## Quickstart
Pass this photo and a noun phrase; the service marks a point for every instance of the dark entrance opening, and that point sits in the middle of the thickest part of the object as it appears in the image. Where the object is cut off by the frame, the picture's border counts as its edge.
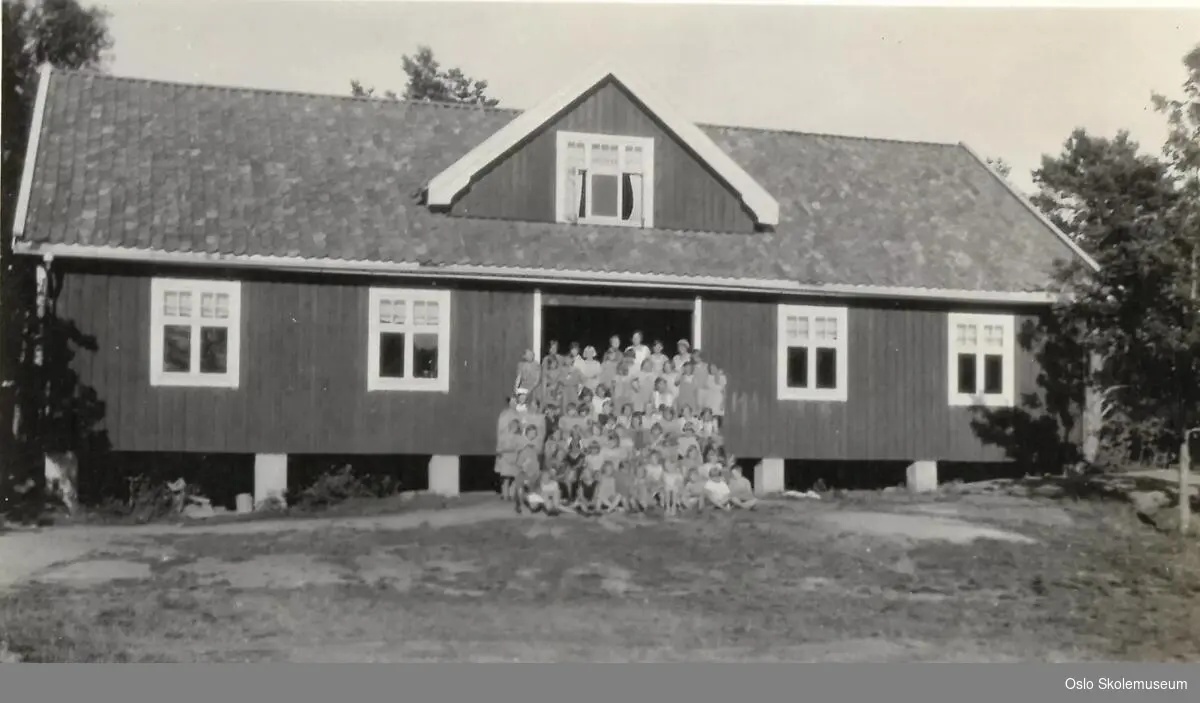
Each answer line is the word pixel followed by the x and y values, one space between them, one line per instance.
pixel 592 320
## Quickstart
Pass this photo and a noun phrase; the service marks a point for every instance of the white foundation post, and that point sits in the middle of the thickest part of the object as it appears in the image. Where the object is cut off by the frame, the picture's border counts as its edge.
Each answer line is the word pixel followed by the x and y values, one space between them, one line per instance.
pixel 768 477
pixel 698 324
pixel 270 478
pixel 922 477
pixel 443 476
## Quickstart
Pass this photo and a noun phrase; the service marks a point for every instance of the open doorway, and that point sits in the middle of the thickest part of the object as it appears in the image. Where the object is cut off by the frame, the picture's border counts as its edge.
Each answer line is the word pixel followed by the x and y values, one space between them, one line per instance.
pixel 592 320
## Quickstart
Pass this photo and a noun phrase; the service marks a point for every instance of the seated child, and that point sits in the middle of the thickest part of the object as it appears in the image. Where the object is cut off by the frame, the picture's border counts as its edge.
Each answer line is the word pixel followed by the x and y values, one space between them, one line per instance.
pixel 507 447
pixel 657 358
pixel 572 467
pixel 716 491
pixel 693 492
pixel 643 492
pixel 672 489
pixel 654 469
pixel 657 437
pixel 533 439
pixel 553 443
pixel 608 410
pixel 741 493
pixel 624 481
pixel 607 499
pixel 551 494
pixel 585 496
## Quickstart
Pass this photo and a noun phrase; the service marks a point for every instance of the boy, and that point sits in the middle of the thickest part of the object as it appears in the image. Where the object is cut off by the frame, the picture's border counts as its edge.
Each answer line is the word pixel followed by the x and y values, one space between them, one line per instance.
pixel 741 493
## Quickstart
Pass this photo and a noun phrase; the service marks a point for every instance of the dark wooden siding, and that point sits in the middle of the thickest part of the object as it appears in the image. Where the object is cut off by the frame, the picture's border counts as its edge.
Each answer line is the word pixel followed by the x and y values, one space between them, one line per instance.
pixel 687 194
pixel 303 371
pixel 897 407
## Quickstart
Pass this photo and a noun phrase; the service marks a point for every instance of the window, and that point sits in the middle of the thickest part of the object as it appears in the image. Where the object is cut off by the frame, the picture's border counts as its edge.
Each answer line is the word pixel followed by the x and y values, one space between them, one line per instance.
pixel 195 332
pixel 605 180
pixel 408 348
pixel 982 360
pixel 812 353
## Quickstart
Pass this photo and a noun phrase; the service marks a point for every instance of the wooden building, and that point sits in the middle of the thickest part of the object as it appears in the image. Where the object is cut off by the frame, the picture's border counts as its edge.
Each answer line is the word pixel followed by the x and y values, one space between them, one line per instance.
pixel 277 274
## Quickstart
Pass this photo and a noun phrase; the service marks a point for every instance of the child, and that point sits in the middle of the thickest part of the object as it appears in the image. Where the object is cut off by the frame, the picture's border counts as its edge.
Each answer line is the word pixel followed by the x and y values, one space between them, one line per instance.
pixel 638 433
pixel 691 460
pixel 708 424
pixel 654 469
pixel 672 489
pixel 654 414
pixel 719 380
pixel 712 462
pixel 741 493
pixel 688 441
pixel 594 460
pixel 585 496
pixel 551 495
pixel 589 368
pixel 529 374
pixel 602 394
pixel 700 368
pixel 640 391
pixel 551 388
pixel 528 473
pixel 640 351
pixel 686 393
pixel 672 426
pixel 553 443
pixel 625 421
pixel 571 382
pixel 624 481
pixel 571 420
pixel 657 438
pixel 612 358
pixel 622 388
pixel 613 453
pixel 572 468
pixel 507 447
pixel 716 491
pixel 551 353
pixel 663 397
pixel 693 492
pixel 657 358
pixel 643 492
pixel 670 374
pixel 607 499
pixel 684 354
pixel 628 440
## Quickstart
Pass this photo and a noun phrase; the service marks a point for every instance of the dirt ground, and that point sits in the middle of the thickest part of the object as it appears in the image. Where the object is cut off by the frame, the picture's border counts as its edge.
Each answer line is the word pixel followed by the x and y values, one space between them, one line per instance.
pixel 866 577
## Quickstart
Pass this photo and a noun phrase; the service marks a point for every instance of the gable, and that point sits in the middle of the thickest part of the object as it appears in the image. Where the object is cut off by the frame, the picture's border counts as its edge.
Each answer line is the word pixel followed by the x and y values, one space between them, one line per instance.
pixel 688 194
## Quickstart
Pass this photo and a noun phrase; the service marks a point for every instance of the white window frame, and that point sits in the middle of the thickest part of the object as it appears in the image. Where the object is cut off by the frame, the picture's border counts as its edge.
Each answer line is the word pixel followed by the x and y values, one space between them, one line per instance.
pixel 159 376
pixel 841 345
pixel 1008 350
pixel 375 382
pixel 647 146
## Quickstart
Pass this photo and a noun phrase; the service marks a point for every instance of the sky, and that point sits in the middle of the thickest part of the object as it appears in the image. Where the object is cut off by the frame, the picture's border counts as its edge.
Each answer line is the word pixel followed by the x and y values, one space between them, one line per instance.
pixel 1010 82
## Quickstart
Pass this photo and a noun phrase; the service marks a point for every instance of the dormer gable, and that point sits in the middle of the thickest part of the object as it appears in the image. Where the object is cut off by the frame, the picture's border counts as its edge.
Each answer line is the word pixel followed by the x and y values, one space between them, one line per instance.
pixel 605 150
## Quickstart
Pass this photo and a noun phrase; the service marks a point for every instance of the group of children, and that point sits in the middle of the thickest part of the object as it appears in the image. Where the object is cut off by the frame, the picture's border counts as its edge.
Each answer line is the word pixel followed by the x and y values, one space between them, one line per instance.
pixel 637 431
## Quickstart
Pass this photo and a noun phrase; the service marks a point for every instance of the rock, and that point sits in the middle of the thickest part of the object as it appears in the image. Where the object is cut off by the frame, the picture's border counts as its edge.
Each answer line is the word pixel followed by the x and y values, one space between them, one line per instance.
pixel 198 511
pixel 1148 502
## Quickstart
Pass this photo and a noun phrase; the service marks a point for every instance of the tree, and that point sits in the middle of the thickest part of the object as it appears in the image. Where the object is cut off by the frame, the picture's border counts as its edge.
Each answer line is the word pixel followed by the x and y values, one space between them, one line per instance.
pixel 66 35
pixel 428 81
pixel 1001 167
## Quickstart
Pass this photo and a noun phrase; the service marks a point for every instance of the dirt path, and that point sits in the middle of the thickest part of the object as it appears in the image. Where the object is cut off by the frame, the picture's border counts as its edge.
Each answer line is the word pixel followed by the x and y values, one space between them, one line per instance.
pixel 26 554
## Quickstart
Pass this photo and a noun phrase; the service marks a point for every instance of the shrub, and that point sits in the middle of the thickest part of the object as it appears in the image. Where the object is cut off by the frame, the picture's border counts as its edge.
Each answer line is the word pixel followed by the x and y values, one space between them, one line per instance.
pixel 342 484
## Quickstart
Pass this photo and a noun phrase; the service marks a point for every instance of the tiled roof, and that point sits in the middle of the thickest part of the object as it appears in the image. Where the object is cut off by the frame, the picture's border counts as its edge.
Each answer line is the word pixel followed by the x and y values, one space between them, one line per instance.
pixel 142 164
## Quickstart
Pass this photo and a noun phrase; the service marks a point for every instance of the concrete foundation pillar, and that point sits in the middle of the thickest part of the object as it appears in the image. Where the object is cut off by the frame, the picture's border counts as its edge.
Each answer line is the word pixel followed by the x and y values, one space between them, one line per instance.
pixel 443 475
pixel 270 478
pixel 922 477
pixel 62 478
pixel 768 477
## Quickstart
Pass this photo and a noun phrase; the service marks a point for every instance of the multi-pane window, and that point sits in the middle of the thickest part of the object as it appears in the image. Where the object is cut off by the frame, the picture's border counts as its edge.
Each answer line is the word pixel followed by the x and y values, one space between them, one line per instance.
pixel 812 353
pixel 605 179
pixel 409 340
pixel 195 334
pixel 981 360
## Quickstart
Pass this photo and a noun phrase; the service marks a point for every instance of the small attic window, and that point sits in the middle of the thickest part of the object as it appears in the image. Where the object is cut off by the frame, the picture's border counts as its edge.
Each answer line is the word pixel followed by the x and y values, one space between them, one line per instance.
pixel 604 179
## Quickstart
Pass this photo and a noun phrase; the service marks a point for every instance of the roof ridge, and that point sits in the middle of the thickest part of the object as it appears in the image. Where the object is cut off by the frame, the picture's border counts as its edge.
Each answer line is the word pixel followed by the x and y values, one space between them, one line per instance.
pixel 456 106
pixel 806 133
pixel 274 91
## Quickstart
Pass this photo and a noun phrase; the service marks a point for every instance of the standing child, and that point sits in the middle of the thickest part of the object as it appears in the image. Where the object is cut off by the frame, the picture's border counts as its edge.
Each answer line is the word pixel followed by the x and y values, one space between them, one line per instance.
pixel 663 395
pixel 672 488
pixel 612 358
pixel 528 473
pixel 589 367
pixel 598 400
pixel 720 381
pixel 624 479
pixel 683 355
pixel 551 388
pixel 642 391
pixel 625 420
pixel 708 424
pixel 529 374
pixel 657 357
pixel 643 493
pixel 640 351
pixel 670 374
pixel 571 383
pixel 687 390
pixel 508 446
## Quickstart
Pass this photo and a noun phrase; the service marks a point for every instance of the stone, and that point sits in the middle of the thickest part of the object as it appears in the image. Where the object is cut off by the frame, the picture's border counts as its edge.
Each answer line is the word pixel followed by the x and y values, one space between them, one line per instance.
pixel 1148 502
pixel 443 475
pixel 922 477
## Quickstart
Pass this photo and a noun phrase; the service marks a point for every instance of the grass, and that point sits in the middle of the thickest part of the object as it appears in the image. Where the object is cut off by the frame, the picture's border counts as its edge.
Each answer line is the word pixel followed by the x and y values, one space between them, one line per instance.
pixel 776 584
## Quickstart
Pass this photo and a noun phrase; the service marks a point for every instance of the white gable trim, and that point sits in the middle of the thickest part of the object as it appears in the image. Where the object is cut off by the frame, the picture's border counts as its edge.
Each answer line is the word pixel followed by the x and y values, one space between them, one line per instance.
pixel 449 183
pixel 31 150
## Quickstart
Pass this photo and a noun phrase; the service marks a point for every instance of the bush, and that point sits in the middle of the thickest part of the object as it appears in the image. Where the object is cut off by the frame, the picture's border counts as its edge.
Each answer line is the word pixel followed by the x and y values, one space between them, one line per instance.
pixel 342 484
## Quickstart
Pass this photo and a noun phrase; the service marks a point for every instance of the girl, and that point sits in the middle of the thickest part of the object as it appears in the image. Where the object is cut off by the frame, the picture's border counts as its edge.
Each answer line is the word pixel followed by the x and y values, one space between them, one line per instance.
pixel 712 462
pixel 741 493
pixel 572 469
pixel 688 439
pixel 662 394
pixel 641 390
pixel 657 358
pixel 571 379
pixel 625 493
pixel 691 459
pixel 551 353
pixel 594 460
pixel 654 414
pixel 655 469
pixel 529 374
pixel 670 374
pixel 716 491
pixel 671 425
pixel 621 385
pixel 625 421
pixel 640 351
pixel 708 424
pixel 607 499
pixel 719 380
pixel 507 446
pixel 684 354
pixel 551 388
pixel 553 443
pixel 672 489
pixel 693 492
pixel 612 358
pixel 686 395
pixel 585 497
pixel 638 432
pixel 602 395
pixel 589 368
pixel 528 473
pixel 643 494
